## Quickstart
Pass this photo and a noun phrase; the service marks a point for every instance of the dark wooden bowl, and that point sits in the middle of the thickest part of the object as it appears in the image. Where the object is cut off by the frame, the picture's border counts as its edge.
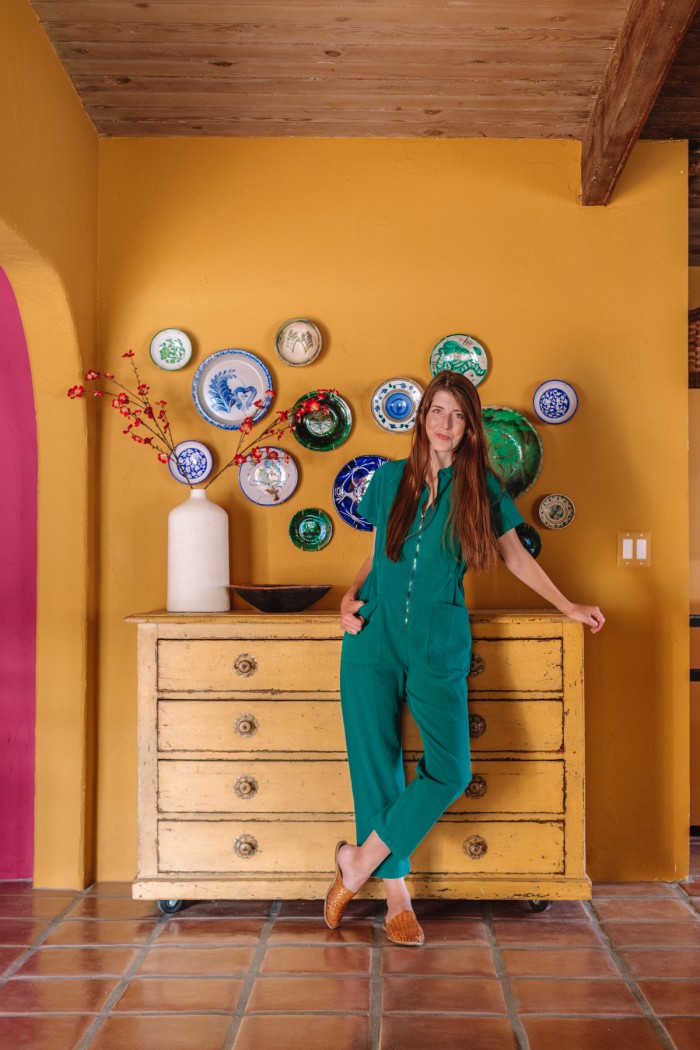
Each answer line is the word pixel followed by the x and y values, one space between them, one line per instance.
pixel 281 597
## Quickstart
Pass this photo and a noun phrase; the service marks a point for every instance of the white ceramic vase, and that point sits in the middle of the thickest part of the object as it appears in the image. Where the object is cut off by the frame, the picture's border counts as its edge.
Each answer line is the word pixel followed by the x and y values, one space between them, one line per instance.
pixel 198 566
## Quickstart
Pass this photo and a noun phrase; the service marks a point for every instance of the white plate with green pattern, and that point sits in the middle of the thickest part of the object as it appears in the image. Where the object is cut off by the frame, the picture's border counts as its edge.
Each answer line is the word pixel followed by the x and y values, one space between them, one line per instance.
pixel 460 353
pixel 171 349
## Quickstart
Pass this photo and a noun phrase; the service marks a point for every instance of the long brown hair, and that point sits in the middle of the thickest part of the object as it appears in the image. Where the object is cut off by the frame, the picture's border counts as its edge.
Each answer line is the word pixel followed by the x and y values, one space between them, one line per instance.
pixel 468 527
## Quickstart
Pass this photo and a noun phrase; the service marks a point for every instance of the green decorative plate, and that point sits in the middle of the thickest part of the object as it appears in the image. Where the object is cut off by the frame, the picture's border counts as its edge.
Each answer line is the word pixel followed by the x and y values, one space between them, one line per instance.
pixel 515 449
pixel 311 529
pixel 460 353
pixel 530 538
pixel 323 431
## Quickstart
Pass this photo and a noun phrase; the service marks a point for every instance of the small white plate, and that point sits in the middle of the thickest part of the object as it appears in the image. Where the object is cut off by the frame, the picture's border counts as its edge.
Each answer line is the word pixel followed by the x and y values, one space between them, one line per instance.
pixel 272 480
pixel 555 401
pixel 226 386
pixel 395 404
pixel 171 349
pixel 190 462
pixel 556 511
pixel 298 342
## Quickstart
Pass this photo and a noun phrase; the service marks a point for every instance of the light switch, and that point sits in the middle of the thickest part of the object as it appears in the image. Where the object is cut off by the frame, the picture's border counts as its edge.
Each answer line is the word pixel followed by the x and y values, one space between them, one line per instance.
pixel 627 549
pixel 634 549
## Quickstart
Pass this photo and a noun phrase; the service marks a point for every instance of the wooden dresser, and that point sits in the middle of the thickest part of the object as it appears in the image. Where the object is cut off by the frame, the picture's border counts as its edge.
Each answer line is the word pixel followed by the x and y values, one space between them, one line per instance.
pixel 243 780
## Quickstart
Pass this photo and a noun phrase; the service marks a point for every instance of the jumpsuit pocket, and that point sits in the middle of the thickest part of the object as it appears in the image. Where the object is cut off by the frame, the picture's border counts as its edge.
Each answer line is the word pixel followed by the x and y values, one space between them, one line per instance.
pixel 450 638
pixel 365 646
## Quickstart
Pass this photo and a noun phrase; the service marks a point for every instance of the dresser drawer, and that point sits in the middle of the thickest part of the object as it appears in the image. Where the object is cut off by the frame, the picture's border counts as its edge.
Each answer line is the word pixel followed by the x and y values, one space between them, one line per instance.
pixel 250 725
pixel 288 786
pixel 506 725
pixel 519 665
pixel 471 847
pixel 209 665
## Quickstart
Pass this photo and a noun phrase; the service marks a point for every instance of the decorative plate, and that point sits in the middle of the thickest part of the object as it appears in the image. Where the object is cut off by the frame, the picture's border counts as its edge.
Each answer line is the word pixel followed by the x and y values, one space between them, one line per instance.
pixel 350 486
pixel 190 462
pixel 323 431
pixel 311 529
pixel 395 404
pixel 515 449
pixel 227 385
pixel 530 538
pixel 272 480
pixel 556 511
pixel 460 353
pixel 298 342
pixel 555 401
pixel 170 349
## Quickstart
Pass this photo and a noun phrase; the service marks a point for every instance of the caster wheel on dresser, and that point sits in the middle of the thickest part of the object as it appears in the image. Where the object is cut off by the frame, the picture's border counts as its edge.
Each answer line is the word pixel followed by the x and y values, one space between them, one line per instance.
pixel 169 907
pixel 539 905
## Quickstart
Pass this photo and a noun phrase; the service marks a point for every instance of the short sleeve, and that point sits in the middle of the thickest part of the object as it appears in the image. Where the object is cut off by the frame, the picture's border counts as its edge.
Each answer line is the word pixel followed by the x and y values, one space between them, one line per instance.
pixel 370 504
pixel 504 514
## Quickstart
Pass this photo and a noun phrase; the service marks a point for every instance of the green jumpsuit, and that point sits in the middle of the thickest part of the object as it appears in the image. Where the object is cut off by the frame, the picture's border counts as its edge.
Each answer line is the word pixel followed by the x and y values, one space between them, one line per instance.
pixel 416 644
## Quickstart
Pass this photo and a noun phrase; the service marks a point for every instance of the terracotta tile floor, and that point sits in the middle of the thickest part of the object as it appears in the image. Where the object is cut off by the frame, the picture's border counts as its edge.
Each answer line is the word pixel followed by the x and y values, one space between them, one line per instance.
pixel 98 970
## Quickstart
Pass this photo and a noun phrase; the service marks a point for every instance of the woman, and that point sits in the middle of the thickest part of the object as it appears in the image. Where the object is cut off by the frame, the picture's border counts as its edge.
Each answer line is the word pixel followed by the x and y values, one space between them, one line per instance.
pixel 407 635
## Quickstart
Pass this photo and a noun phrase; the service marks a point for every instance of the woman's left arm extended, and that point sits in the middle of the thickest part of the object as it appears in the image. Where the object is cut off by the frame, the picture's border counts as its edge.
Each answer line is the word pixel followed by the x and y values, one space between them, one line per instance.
pixel 524 566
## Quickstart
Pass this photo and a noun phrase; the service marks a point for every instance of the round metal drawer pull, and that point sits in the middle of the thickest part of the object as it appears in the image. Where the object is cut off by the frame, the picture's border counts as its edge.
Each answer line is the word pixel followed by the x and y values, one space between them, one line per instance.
pixel 245 846
pixel 245 665
pixel 246 787
pixel 477 666
pixel 475 846
pixel 477 725
pixel 246 725
pixel 477 787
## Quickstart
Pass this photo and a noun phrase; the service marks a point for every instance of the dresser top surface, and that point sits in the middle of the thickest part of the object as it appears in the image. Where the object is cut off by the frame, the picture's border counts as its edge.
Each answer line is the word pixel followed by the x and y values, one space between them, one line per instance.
pixel 331 617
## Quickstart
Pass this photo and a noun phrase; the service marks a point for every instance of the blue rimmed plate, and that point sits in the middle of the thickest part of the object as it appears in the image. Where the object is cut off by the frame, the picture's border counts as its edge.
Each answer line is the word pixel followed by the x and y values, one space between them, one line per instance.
pixel 190 462
pixel 272 480
pixel 231 385
pixel 170 349
pixel 555 401
pixel 395 404
pixel 350 486
pixel 460 353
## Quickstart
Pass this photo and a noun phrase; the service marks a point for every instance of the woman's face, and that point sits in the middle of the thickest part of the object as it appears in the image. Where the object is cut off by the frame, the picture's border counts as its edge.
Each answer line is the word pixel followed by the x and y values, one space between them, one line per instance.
pixel 444 425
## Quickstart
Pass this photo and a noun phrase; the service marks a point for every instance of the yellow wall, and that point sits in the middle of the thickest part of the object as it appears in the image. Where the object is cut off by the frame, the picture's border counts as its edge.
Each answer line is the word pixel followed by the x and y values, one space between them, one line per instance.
pixel 48 242
pixel 390 245
pixel 694 473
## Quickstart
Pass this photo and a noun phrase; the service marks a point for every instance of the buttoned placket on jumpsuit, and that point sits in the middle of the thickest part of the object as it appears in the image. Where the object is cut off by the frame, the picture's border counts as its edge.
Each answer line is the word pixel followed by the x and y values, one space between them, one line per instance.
pixel 416 644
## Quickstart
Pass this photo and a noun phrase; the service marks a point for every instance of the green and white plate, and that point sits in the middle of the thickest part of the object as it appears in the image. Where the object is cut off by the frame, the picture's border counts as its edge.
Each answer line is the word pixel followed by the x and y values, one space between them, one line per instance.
pixel 171 349
pixel 556 511
pixel 311 529
pixel 298 342
pixel 515 449
pixel 325 430
pixel 460 353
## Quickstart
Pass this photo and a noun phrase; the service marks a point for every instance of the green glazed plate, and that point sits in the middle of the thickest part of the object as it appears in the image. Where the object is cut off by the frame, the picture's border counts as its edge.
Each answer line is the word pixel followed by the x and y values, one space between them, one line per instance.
pixel 323 431
pixel 530 538
pixel 311 529
pixel 460 353
pixel 515 449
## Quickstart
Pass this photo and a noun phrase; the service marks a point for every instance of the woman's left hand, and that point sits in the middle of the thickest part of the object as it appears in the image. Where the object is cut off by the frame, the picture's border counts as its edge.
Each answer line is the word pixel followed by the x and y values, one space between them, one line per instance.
pixel 588 614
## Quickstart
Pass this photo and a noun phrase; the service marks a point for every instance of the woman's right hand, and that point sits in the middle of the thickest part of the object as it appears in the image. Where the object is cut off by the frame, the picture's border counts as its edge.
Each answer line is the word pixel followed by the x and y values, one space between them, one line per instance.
pixel 349 619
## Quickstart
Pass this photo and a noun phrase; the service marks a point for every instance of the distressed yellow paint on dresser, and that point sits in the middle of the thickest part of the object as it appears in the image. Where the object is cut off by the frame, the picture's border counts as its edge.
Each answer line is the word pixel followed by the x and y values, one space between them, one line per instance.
pixel 243 781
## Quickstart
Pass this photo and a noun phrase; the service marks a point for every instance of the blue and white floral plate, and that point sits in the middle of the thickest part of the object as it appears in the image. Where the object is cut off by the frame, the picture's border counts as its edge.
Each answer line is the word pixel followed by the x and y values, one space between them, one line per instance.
pixel 395 404
pixel 272 480
pixel 170 349
pixel 460 353
pixel 190 462
pixel 231 385
pixel 350 486
pixel 555 401
pixel 298 342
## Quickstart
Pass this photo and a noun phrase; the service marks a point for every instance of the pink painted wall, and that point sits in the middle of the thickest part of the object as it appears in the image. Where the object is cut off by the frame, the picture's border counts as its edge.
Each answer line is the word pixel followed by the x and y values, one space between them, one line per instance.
pixel 17 594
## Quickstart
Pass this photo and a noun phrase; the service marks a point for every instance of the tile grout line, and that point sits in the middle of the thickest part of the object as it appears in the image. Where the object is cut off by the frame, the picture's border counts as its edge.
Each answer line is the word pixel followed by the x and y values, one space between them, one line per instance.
pixel 376 984
pixel 502 975
pixel 631 982
pixel 122 983
pixel 36 944
pixel 251 977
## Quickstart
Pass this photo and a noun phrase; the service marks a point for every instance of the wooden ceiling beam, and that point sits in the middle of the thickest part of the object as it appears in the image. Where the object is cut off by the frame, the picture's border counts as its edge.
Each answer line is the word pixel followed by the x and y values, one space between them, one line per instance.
pixel 646 46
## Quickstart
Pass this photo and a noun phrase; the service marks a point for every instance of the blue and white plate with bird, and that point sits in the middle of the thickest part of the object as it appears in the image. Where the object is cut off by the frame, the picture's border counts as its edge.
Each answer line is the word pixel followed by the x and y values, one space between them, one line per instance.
pixel 350 486
pixel 230 386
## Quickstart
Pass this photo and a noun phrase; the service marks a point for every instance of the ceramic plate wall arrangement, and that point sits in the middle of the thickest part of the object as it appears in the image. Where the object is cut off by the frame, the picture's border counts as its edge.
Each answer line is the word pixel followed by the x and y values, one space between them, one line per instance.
pixel 556 511
pixel 323 431
pixel 272 480
pixel 530 538
pixel 227 385
pixel 460 353
pixel 170 349
pixel 298 342
pixel 311 529
pixel 350 486
pixel 555 401
pixel 395 404
pixel 190 462
pixel 515 449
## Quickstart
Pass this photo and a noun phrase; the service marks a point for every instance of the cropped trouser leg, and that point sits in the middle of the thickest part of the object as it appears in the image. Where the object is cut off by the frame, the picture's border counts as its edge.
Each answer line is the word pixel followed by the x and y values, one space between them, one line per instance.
pixel 372 703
